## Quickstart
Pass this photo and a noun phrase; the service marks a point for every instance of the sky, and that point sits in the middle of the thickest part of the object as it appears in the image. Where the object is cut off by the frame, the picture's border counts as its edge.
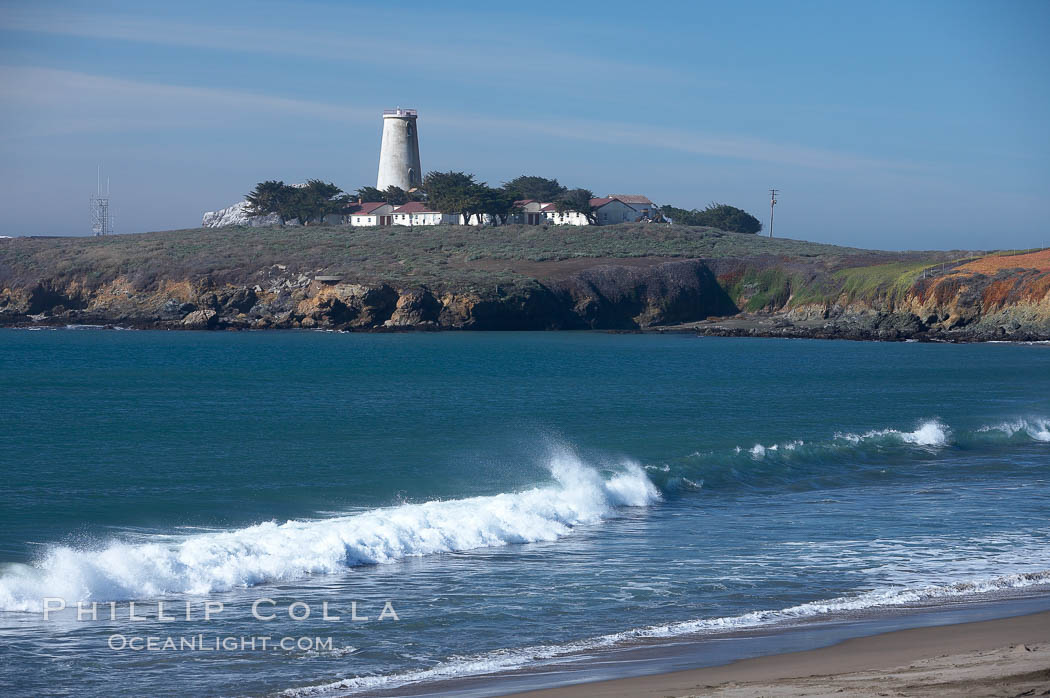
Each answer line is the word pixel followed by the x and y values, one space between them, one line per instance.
pixel 893 125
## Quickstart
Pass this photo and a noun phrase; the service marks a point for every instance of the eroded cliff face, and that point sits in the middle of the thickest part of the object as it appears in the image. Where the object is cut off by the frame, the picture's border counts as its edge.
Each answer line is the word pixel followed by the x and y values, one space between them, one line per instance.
pixel 961 304
pixel 605 297
pixel 970 302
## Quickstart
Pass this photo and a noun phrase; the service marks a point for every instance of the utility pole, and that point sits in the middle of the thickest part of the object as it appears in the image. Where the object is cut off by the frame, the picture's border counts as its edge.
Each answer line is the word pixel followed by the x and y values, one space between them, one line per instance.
pixel 772 203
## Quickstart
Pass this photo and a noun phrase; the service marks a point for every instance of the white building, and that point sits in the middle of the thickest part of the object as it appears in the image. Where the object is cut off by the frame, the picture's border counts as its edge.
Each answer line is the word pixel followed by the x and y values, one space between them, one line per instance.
pixel 641 204
pixel 552 215
pixel 372 213
pixel 527 212
pixel 418 213
pixel 608 210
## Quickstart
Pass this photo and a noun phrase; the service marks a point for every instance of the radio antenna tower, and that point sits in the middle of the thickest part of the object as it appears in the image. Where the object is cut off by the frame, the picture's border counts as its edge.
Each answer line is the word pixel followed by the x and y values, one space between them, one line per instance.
pixel 101 221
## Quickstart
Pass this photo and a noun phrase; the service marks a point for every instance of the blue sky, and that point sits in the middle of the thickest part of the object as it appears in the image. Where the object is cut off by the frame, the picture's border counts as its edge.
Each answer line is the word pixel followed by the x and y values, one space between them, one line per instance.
pixel 894 125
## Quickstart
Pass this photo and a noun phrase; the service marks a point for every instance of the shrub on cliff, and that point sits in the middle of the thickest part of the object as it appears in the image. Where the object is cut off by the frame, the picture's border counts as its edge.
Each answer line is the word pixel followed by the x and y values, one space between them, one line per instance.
pixel 721 216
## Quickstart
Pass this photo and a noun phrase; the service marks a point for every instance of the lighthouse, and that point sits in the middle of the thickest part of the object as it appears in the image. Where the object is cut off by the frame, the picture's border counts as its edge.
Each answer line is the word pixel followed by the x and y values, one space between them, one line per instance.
pixel 399 155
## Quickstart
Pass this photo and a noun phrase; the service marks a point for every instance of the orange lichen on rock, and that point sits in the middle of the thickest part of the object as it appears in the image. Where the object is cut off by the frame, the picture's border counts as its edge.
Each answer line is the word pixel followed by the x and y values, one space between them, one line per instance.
pixel 946 289
pixel 997 293
pixel 992 264
pixel 1037 289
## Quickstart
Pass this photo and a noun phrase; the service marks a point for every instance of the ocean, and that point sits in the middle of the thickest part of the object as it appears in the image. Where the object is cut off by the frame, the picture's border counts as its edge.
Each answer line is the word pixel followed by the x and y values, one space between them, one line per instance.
pixel 392 511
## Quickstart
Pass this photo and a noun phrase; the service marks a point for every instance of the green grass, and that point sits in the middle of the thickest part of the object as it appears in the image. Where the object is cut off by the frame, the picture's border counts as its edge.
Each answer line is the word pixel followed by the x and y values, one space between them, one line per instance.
pixel 437 256
pixel 891 280
pixel 762 288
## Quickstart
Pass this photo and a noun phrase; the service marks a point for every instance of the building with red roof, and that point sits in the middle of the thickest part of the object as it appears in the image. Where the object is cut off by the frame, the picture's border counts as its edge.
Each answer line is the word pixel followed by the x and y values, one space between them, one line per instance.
pixel 608 210
pixel 371 213
pixel 419 213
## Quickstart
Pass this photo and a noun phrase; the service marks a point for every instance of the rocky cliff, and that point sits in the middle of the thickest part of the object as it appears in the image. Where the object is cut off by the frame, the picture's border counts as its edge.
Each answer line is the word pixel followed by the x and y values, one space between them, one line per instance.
pixel 603 297
pixel 448 280
pixel 995 297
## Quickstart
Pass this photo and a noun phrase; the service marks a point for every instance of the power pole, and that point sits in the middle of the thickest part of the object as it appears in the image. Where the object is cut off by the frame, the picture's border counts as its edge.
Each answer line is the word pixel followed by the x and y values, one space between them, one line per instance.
pixel 772 203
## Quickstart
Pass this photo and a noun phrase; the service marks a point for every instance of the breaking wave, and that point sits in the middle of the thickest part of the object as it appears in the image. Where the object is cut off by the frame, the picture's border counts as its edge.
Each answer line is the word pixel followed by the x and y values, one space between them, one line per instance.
pixel 928 436
pixel 931 433
pixel 508 659
pixel 1033 428
pixel 272 552
pixel 844 458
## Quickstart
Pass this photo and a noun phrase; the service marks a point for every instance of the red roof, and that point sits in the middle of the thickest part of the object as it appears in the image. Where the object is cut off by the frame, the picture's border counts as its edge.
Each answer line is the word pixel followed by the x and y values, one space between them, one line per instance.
pixel 632 198
pixel 601 201
pixel 548 207
pixel 367 207
pixel 414 207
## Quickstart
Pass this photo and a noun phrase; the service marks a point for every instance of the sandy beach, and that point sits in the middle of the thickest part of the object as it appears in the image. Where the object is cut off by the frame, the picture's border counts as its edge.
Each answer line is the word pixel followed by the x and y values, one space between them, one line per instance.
pixel 1003 657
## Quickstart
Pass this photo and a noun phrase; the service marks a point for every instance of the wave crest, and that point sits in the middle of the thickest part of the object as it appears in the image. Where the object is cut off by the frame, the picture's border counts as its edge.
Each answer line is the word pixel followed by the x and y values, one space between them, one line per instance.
pixel 929 433
pixel 1034 428
pixel 272 552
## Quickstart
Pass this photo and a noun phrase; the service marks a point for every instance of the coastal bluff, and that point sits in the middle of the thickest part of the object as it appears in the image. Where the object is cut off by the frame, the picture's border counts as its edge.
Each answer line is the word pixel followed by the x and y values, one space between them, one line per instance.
pixel 623 277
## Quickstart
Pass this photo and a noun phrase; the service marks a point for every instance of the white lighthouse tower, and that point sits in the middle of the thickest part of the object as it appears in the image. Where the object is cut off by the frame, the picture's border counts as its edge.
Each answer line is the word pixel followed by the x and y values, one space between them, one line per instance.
pixel 399 156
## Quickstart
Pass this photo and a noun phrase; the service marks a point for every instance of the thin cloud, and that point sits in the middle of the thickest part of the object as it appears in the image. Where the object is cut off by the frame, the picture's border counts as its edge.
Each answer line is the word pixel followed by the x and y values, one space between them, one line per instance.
pixel 455 61
pixel 691 142
pixel 62 102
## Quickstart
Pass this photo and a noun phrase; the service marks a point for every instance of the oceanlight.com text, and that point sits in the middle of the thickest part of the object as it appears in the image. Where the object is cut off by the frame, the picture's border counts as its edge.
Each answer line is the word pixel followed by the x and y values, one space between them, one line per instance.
pixel 218 643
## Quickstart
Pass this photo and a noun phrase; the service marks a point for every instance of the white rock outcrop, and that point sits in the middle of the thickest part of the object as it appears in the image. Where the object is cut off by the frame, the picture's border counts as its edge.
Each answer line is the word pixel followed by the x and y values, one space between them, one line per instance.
pixel 238 215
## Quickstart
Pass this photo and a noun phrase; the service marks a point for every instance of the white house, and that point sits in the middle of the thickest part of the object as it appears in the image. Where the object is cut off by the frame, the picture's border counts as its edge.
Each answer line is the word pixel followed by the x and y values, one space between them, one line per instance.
pixel 418 213
pixel 551 214
pixel 528 212
pixel 608 210
pixel 476 219
pixel 372 213
pixel 641 204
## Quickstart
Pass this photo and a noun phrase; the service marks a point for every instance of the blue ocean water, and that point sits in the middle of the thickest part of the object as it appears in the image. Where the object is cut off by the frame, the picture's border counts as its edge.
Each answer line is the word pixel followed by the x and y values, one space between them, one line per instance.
pixel 513 498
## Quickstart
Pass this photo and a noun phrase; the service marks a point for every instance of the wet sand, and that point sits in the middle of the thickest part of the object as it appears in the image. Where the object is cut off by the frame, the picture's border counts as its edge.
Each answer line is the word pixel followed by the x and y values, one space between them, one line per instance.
pixel 1003 657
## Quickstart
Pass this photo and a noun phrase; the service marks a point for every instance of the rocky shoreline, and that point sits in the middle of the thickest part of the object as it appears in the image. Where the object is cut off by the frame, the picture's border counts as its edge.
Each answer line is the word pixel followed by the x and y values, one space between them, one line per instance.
pixel 605 297
pixel 872 325
pixel 803 291
pixel 681 296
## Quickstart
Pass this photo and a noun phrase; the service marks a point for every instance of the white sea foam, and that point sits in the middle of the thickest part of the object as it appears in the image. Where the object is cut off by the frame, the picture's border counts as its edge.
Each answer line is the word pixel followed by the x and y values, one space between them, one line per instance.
pixel 930 433
pixel 1036 428
pixel 272 552
pixel 508 659
pixel 758 451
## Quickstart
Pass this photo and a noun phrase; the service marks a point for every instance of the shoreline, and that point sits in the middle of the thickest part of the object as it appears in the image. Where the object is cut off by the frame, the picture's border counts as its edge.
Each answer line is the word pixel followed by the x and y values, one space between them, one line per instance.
pixel 692 329
pixel 674 666
pixel 1004 655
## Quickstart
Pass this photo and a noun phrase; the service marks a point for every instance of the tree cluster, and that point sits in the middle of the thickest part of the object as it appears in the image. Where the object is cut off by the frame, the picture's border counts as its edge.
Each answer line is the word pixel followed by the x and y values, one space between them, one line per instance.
pixel 565 200
pixel 721 216
pixel 576 200
pixel 536 188
pixel 457 192
pixel 392 195
pixel 307 202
